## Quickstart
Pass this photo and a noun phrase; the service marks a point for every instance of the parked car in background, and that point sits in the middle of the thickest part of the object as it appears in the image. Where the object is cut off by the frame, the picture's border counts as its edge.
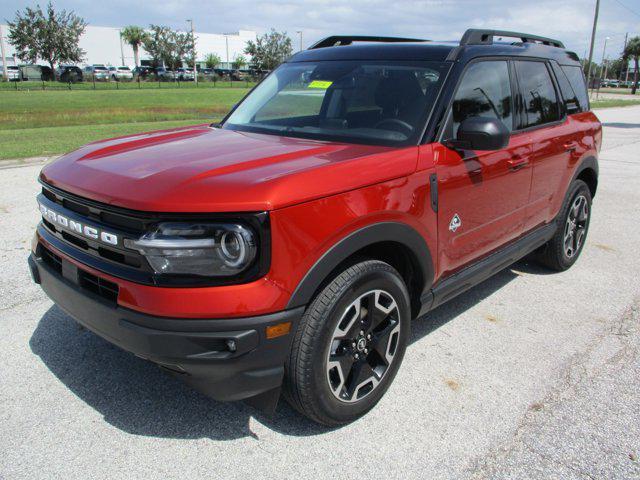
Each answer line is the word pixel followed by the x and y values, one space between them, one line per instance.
pixel 97 72
pixel 142 73
pixel 614 83
pixel 30 72
pixel 13 73
pixel 185 75
pixel 223 73
pixel 120 73
pixel 239 75
pixel 69 73
pixel 36 72
pixel 164 75
pixel 208 73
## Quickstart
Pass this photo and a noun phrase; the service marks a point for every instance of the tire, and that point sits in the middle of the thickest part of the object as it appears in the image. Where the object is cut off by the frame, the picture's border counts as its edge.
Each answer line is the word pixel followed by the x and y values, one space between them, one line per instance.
pixel 556 254
pixel 340 365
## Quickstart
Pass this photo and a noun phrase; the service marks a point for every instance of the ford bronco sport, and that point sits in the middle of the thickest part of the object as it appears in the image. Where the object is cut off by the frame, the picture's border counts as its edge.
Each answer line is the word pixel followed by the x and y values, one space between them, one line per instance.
pixel 364 182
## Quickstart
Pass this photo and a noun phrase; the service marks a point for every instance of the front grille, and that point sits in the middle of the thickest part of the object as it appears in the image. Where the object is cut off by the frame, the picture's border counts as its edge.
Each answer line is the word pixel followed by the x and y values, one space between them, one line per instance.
pixel 51 259
pixel 120 262
pixel 99 286
pixel 85 280
pixel 95 212
pixel 101 217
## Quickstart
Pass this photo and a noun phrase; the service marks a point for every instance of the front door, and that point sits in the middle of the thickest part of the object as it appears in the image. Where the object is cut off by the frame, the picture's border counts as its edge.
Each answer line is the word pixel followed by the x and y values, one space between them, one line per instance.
pixel 482 195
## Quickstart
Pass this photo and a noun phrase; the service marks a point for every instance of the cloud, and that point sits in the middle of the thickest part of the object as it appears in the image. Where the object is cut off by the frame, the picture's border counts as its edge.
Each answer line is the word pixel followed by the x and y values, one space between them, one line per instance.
pixel 569 20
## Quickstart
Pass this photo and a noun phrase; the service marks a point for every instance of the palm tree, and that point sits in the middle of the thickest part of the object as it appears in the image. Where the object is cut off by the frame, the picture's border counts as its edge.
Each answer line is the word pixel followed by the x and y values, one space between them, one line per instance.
pixel 240 62
pixel 134 36
pixel 632 52
pixel 212 60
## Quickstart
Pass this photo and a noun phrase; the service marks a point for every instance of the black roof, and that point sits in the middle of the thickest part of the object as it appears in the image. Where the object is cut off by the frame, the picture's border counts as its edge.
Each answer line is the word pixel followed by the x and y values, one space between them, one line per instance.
pixel 474 43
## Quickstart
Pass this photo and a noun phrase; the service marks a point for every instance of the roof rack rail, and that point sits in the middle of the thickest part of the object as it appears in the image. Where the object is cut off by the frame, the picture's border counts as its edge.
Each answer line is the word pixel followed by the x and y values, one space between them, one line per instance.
pixel 336 40
pixel 475 36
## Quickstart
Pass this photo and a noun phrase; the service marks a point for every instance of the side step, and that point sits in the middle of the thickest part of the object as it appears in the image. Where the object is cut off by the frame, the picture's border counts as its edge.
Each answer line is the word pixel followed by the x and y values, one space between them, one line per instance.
pixel 472 275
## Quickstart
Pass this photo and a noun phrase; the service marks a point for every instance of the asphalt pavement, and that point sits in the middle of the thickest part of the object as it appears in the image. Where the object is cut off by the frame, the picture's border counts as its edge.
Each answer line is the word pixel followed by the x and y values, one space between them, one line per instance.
pixel 529 375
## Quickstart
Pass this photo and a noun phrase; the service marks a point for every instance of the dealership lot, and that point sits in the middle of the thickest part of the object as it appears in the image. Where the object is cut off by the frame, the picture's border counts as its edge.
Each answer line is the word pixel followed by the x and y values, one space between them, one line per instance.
pixel 529 375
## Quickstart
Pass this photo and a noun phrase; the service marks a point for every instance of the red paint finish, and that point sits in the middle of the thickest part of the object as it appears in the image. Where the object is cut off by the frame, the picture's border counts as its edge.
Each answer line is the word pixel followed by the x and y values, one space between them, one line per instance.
pixel 489 191
pixel 319 192
pixel 556 152
pixel 202 169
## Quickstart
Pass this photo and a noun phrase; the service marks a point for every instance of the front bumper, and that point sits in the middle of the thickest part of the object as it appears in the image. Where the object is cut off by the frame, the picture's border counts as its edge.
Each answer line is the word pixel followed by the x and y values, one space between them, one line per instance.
pixel 227 359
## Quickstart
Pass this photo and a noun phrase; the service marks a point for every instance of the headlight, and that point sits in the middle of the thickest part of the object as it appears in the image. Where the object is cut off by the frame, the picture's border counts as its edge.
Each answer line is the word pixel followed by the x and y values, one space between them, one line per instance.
pixel 203 249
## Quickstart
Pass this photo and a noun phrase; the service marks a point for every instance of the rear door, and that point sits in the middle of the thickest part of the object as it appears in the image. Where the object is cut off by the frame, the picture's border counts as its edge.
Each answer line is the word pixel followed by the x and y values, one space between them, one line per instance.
pixel 482 195
pixel 552 139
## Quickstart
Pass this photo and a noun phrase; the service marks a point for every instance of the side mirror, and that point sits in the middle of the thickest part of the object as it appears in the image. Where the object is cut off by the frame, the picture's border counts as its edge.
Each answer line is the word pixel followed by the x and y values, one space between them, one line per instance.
pixel 481 133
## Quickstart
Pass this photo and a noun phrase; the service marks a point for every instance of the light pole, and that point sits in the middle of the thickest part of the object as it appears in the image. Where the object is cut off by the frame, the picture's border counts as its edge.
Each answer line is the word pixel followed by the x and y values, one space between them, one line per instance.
pixel 593 39
pixel 603 70
pixel 226 41
pixel 5 74
pixel 300 32
pixel 193 39
pixel 604 51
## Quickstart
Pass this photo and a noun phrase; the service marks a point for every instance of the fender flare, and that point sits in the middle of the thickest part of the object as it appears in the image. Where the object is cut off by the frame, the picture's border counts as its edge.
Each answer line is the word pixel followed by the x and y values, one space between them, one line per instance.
pixel 587 163
pixel 355 241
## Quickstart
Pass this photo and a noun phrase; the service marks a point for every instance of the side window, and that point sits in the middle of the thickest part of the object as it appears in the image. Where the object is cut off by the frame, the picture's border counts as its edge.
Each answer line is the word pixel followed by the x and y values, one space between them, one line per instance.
pixel 570 98
pixel 485 91
pixel 577 81
pixel 538 95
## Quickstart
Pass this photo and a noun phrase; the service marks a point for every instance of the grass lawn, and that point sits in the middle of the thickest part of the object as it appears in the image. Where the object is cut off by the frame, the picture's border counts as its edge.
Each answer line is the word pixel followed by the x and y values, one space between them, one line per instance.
pixel 613 103
pixel 39 123
pixel 620 91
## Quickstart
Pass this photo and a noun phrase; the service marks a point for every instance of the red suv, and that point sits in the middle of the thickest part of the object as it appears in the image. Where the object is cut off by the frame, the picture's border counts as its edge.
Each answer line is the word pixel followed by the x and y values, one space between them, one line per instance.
pixel 364 182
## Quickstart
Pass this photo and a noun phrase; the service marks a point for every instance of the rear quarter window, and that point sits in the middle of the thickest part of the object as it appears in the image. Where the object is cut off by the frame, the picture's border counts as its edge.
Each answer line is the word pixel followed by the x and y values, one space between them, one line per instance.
pixel 576 79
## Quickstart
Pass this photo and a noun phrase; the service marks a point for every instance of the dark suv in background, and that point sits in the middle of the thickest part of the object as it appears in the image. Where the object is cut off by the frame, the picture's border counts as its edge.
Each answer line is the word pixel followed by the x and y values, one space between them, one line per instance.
pixel 363 183
pixel 69 73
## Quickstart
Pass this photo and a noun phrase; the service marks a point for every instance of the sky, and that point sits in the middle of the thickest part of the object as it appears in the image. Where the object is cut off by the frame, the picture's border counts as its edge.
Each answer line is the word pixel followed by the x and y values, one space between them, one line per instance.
pixel 570 21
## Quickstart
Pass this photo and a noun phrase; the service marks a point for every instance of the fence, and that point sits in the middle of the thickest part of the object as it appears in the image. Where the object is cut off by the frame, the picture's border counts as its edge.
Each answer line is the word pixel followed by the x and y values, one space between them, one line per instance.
pixel 138 84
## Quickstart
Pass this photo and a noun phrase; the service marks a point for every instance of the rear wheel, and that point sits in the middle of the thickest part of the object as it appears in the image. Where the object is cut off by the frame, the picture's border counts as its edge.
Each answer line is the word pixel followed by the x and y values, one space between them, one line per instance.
pixel 349 344
pixel 562 251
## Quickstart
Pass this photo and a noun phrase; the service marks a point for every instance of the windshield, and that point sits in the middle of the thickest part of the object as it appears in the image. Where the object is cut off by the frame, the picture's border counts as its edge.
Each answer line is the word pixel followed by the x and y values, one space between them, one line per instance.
pixel 352 101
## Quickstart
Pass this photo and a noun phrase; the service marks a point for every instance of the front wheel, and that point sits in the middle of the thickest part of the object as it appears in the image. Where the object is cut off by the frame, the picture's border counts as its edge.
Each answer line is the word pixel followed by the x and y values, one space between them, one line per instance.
pixel 562 251
pixel 349 344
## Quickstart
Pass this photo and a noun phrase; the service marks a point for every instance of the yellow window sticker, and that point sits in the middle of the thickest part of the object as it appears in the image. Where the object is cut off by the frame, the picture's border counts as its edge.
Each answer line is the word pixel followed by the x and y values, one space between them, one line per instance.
pixel 323 84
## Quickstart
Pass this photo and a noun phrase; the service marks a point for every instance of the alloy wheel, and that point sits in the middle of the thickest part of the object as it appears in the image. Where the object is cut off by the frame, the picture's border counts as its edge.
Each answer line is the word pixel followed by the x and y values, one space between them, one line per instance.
pixel 576 226
pixel 363 346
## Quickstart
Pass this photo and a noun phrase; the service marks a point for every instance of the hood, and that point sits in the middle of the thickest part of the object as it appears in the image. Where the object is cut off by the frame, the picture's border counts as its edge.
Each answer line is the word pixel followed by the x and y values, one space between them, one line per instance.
pixel 204 169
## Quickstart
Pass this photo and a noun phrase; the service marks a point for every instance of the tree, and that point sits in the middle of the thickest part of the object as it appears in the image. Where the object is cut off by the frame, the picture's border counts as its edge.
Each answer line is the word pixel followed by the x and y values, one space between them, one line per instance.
pixel 585 66
pixel 51 36
pixel 167 47
pixel 270 49
pixel 239 63
pixel 156 42
pixel 212 60
pixel 615 68
pixel 134 36
pixel 632 52
pixel 184 49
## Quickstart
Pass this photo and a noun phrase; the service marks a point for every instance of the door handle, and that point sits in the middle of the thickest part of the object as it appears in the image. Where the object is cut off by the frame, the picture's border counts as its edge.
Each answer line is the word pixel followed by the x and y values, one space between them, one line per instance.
pixel 570 146
pixel 516 164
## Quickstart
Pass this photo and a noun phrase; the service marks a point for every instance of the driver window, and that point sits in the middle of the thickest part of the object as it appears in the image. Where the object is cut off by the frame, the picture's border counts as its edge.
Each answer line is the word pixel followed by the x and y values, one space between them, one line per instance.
pixel 485 91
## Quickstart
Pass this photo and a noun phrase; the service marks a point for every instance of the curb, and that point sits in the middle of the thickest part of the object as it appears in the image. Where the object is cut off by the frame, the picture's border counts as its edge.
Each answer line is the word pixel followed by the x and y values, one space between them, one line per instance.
pixel 25 162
